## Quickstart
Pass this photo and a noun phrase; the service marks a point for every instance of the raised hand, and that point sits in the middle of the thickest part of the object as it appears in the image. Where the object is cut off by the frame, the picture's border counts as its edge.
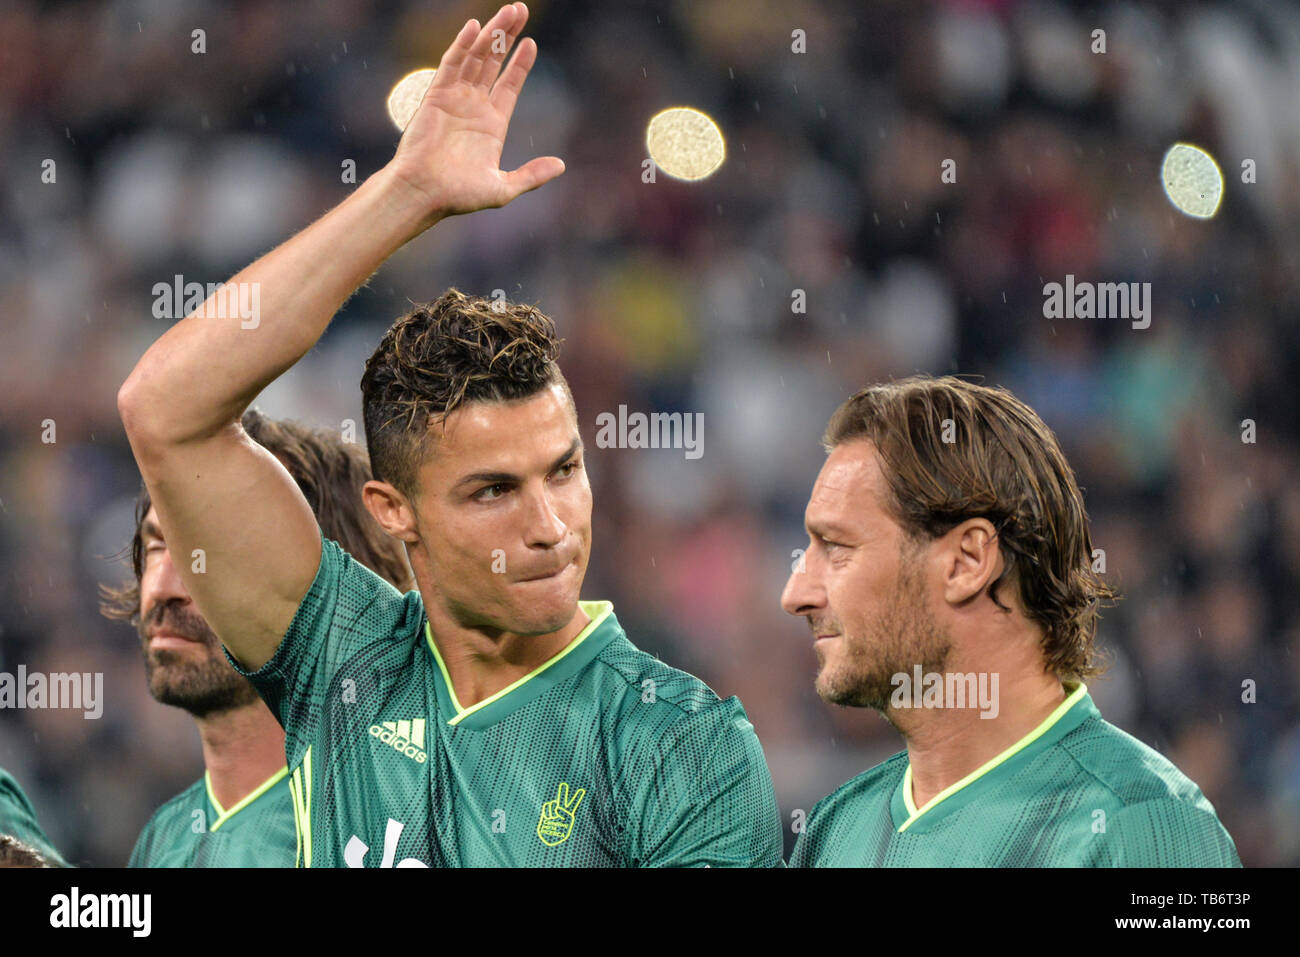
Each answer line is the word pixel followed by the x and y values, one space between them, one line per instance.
pixel 450 153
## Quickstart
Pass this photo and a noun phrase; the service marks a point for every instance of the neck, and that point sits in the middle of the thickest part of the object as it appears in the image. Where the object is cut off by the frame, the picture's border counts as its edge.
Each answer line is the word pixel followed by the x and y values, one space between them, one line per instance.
pixel 481 662
pixel 944 745
pixel 241 749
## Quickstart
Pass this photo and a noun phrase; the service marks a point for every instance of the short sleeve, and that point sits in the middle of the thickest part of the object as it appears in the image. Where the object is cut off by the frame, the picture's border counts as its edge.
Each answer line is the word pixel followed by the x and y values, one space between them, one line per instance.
pixel 1167 833
pixel 347 612
pixel 713 804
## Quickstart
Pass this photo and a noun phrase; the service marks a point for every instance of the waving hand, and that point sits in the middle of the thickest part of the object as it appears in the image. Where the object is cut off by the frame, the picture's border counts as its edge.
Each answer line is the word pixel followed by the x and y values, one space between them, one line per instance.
pixel 451 150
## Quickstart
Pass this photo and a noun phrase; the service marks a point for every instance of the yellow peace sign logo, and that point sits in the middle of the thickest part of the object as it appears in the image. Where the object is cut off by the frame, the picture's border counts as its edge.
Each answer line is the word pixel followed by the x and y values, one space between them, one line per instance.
pixel 556 823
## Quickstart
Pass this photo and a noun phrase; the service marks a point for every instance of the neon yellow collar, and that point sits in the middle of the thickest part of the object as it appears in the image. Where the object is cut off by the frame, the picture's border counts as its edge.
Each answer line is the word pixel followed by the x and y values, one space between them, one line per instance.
pixel 597 611
pixel 223 815
pixel 913 812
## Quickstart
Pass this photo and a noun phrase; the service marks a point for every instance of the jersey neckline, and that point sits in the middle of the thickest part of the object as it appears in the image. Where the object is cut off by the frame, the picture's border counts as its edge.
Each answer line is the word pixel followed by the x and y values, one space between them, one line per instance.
pixel 1068 715
pixel 224 815
pixel 586 645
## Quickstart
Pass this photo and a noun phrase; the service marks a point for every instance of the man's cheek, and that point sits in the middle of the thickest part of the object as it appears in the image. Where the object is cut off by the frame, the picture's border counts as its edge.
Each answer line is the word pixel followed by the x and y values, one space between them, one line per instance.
pixel 464 552
pixel 580 508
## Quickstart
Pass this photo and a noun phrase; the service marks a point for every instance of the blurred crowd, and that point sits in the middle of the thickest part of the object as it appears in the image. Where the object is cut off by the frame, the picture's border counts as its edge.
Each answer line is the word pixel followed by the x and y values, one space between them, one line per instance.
pixel 129 158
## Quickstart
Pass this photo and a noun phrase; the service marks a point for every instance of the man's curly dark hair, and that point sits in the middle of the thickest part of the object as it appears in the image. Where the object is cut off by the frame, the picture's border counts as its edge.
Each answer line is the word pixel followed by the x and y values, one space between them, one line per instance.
pixel 441 355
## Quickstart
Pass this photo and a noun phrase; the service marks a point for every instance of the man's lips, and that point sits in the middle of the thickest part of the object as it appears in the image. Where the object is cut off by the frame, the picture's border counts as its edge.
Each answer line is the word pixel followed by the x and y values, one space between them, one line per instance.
pixel 547 576
pixel 168 639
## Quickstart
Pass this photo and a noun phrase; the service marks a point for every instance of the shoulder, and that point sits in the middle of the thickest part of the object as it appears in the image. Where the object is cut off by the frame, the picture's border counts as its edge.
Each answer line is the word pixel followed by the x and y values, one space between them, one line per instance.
pixel 183 805
pixel 848 816
pixel 646 698
pixel 673 692
pixel 347 609
pixel 173 820
pixel 873 787
pixel 688 772
pixel 356 594
pixel 1165 832
pixel 657 718
pixel 1160 817
pixel 1131 771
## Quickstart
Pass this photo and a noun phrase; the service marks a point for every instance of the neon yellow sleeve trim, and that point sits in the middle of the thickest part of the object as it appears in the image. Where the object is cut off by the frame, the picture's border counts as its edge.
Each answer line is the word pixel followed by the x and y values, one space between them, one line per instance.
pixel 913 812
pixel 300 788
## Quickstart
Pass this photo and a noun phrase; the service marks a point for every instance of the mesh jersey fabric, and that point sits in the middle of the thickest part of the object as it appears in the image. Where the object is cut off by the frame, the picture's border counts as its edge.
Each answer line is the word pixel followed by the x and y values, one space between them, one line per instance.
pixel 603 756
pixel 191 831
pixel 1083 794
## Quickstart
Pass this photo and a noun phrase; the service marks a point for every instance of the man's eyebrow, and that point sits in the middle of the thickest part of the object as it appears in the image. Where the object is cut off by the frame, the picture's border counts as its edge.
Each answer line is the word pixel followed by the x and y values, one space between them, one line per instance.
pixel 822 529
pixel 509 477
pixel 150 529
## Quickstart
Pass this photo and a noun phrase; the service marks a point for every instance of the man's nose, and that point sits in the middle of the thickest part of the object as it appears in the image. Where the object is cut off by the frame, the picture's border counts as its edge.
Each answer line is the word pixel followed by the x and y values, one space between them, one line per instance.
pixel 545 527
pixel 162 582
pixel 803 593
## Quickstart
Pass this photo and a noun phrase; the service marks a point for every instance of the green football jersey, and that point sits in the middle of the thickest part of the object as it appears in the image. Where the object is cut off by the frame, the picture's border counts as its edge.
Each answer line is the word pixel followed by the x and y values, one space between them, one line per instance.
pixel 18 819
pixel 1075 792
pixel 193 830
pixel 601 756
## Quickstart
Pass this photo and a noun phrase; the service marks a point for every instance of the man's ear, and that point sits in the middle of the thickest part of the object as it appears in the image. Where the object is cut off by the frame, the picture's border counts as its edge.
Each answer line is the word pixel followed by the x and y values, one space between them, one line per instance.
pixel 972 560
pixel 391 509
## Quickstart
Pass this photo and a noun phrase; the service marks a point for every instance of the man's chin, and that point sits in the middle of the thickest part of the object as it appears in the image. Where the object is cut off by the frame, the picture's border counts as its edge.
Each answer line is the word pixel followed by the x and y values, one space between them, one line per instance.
pixel 203 703
pixel 546 613
pixel 850 694
pixel 198 690
pixel 546 622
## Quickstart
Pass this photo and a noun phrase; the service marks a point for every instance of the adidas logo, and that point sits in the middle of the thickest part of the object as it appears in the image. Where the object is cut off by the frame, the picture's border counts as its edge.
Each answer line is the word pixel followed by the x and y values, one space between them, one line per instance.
pixel 405 737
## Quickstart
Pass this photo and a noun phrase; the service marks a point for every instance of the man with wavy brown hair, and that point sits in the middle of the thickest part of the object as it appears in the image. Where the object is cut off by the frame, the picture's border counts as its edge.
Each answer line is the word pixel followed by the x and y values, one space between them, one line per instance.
pixel 489 718
pixel 948 584
pixel 240 813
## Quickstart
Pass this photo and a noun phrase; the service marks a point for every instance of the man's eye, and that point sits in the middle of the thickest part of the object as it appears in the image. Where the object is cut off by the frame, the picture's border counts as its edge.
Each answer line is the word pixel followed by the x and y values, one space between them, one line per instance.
pixel 568 469
pixel 491 492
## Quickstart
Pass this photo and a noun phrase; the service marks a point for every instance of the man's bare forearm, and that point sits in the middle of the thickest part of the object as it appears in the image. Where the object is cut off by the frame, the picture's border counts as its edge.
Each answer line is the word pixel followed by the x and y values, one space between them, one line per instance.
pixel 202 374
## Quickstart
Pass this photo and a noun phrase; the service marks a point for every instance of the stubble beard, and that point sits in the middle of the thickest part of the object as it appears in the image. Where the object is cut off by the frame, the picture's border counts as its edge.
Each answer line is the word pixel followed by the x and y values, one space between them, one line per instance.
pixel 204 687
pixel 862 675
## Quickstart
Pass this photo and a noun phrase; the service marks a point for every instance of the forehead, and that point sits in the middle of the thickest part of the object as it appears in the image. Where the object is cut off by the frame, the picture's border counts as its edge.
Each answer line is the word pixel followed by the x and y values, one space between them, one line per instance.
pixel 849 489
pixel 511 436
